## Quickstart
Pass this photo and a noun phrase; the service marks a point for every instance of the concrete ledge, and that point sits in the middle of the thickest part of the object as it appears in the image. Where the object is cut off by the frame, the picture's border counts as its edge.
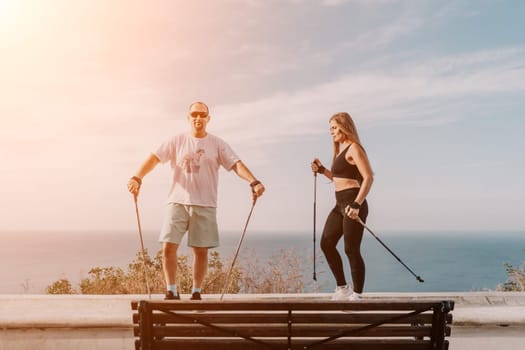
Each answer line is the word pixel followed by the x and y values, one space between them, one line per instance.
pixel 113 311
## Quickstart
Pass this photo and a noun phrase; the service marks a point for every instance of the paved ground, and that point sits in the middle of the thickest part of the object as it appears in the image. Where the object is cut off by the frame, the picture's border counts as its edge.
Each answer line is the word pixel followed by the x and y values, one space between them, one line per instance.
pixel 488 338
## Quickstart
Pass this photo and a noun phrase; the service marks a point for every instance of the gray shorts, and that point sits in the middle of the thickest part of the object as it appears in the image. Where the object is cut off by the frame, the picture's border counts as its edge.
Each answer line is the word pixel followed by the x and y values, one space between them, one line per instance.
pixel 199 222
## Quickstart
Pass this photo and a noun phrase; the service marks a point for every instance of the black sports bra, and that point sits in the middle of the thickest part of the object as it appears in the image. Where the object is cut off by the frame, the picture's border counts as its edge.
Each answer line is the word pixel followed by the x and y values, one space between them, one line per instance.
pixel 341 168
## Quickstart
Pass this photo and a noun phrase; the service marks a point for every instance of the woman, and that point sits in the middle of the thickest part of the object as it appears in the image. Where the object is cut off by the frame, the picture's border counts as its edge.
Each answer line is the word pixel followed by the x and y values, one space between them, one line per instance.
pixel 352 178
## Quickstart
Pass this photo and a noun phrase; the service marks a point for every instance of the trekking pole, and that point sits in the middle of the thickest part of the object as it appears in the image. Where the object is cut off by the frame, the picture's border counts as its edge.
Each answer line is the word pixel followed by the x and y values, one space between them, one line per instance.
pixel 315 211
pixel 142 246
pixel 391 252
pixel 225 285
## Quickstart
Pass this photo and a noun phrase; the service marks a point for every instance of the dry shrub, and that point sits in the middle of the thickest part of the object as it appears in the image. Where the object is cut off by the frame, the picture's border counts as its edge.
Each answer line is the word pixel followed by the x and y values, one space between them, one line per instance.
pixel 515 279
pixel 281 273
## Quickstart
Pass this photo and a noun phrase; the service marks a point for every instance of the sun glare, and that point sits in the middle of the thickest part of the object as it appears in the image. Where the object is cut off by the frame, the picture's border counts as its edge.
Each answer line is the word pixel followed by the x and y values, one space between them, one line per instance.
pixel 7 7
pixel 9 13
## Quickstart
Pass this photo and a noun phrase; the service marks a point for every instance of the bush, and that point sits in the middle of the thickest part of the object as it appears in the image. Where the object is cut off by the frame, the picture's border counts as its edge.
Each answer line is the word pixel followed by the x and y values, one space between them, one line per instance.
pixel 515 280
pixel 281 274
pixel 62 286
pixel 112 280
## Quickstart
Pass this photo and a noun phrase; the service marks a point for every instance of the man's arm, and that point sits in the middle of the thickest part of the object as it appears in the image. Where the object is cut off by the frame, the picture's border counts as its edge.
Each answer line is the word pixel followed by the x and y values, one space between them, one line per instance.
pixel 244 173
pixel 135 182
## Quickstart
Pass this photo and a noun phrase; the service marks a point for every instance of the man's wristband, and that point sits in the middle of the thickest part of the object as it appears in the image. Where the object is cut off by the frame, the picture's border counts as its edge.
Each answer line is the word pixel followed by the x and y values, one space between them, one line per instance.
pixel 254 183
pixel 320 169
pixel 138 179
pixel 355 205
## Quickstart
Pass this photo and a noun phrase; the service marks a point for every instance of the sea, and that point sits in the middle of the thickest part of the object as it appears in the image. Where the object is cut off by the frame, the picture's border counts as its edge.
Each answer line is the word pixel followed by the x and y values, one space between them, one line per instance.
pixel 447 261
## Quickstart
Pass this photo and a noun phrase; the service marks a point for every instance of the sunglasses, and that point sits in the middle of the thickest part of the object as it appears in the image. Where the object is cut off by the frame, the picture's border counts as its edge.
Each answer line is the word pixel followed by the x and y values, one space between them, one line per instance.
pixel 198 114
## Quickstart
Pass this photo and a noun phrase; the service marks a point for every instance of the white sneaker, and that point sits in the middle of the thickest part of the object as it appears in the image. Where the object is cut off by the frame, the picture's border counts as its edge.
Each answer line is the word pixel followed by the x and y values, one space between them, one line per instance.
pixel 355 296
pixel 341 293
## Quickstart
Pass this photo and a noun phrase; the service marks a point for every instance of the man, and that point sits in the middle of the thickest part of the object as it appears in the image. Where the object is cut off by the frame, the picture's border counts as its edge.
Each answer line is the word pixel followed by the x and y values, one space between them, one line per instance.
pixel 195 158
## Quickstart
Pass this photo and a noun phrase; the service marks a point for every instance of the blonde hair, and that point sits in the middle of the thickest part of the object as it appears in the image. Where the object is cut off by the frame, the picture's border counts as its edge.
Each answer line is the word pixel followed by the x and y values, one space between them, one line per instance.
pixel 346 124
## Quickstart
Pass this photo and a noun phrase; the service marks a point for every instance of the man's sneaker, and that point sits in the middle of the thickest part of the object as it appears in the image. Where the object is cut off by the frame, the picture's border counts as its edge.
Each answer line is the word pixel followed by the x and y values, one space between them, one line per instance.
pixel 341 293
pixel 170 296
pixel 355 296
pixel 195 296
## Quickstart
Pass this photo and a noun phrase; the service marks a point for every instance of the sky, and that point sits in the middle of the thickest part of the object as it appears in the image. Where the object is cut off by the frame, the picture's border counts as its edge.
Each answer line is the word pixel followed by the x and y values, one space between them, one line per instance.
pixel 436 88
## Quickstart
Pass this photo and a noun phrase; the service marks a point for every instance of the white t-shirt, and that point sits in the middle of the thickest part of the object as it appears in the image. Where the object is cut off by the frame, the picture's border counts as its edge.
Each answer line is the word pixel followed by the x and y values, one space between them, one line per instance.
pixel 195 163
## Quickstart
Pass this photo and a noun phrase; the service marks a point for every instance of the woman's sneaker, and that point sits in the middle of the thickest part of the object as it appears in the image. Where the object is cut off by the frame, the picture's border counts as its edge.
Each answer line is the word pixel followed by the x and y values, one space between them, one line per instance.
pixel 355 296
pixel 341 293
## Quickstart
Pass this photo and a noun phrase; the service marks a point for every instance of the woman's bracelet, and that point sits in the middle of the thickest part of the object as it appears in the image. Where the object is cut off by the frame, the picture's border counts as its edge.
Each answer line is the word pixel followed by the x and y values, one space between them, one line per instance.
pixel 254 183
pixel 355 205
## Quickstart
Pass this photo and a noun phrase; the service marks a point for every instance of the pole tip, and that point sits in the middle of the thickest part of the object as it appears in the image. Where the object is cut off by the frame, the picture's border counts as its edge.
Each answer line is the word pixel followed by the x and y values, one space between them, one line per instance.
pixel 420 279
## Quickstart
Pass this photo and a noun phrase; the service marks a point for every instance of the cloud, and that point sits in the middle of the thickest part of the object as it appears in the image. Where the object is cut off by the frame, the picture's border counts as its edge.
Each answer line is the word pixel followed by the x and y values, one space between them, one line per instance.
pixel 360 2
pixel 382 36
pixel 431 92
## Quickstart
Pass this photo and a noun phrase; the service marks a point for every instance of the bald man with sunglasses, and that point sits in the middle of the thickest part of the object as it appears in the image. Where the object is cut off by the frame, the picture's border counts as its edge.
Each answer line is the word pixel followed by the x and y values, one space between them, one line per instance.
pixel 195 158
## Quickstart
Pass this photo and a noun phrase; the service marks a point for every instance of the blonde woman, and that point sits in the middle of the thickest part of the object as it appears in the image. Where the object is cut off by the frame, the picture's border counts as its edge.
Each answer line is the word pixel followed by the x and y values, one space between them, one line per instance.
pixel 352 177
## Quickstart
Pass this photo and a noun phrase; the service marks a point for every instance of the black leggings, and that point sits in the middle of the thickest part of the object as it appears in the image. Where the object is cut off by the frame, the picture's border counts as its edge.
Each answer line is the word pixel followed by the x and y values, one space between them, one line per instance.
pixel 339 224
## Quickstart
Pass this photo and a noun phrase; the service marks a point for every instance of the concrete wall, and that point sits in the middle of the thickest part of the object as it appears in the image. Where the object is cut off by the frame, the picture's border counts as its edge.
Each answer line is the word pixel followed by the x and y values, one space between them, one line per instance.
pixel 482 320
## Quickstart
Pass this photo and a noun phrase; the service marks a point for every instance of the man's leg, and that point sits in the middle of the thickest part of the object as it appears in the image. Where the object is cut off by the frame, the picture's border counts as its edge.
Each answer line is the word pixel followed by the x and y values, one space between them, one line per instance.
pixel 203 233
pixel 169 262
pixel 200 265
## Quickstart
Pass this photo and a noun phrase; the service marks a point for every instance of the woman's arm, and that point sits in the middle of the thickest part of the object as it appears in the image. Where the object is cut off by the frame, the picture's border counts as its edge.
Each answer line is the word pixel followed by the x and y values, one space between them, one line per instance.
pixel 317 167
pixel 359 157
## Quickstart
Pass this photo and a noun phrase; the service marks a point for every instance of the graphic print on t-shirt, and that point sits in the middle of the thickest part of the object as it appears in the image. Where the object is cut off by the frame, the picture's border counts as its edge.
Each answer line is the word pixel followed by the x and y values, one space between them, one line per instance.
pixel 191 161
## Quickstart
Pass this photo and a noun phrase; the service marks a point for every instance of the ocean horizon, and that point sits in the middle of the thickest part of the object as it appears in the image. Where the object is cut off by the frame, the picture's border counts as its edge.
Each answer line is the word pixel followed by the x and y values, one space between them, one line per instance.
pixel 448 261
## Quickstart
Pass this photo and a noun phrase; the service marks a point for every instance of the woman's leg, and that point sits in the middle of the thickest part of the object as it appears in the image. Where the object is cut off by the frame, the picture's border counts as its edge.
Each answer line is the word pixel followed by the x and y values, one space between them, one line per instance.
pixel 332 232
pixel 353 235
